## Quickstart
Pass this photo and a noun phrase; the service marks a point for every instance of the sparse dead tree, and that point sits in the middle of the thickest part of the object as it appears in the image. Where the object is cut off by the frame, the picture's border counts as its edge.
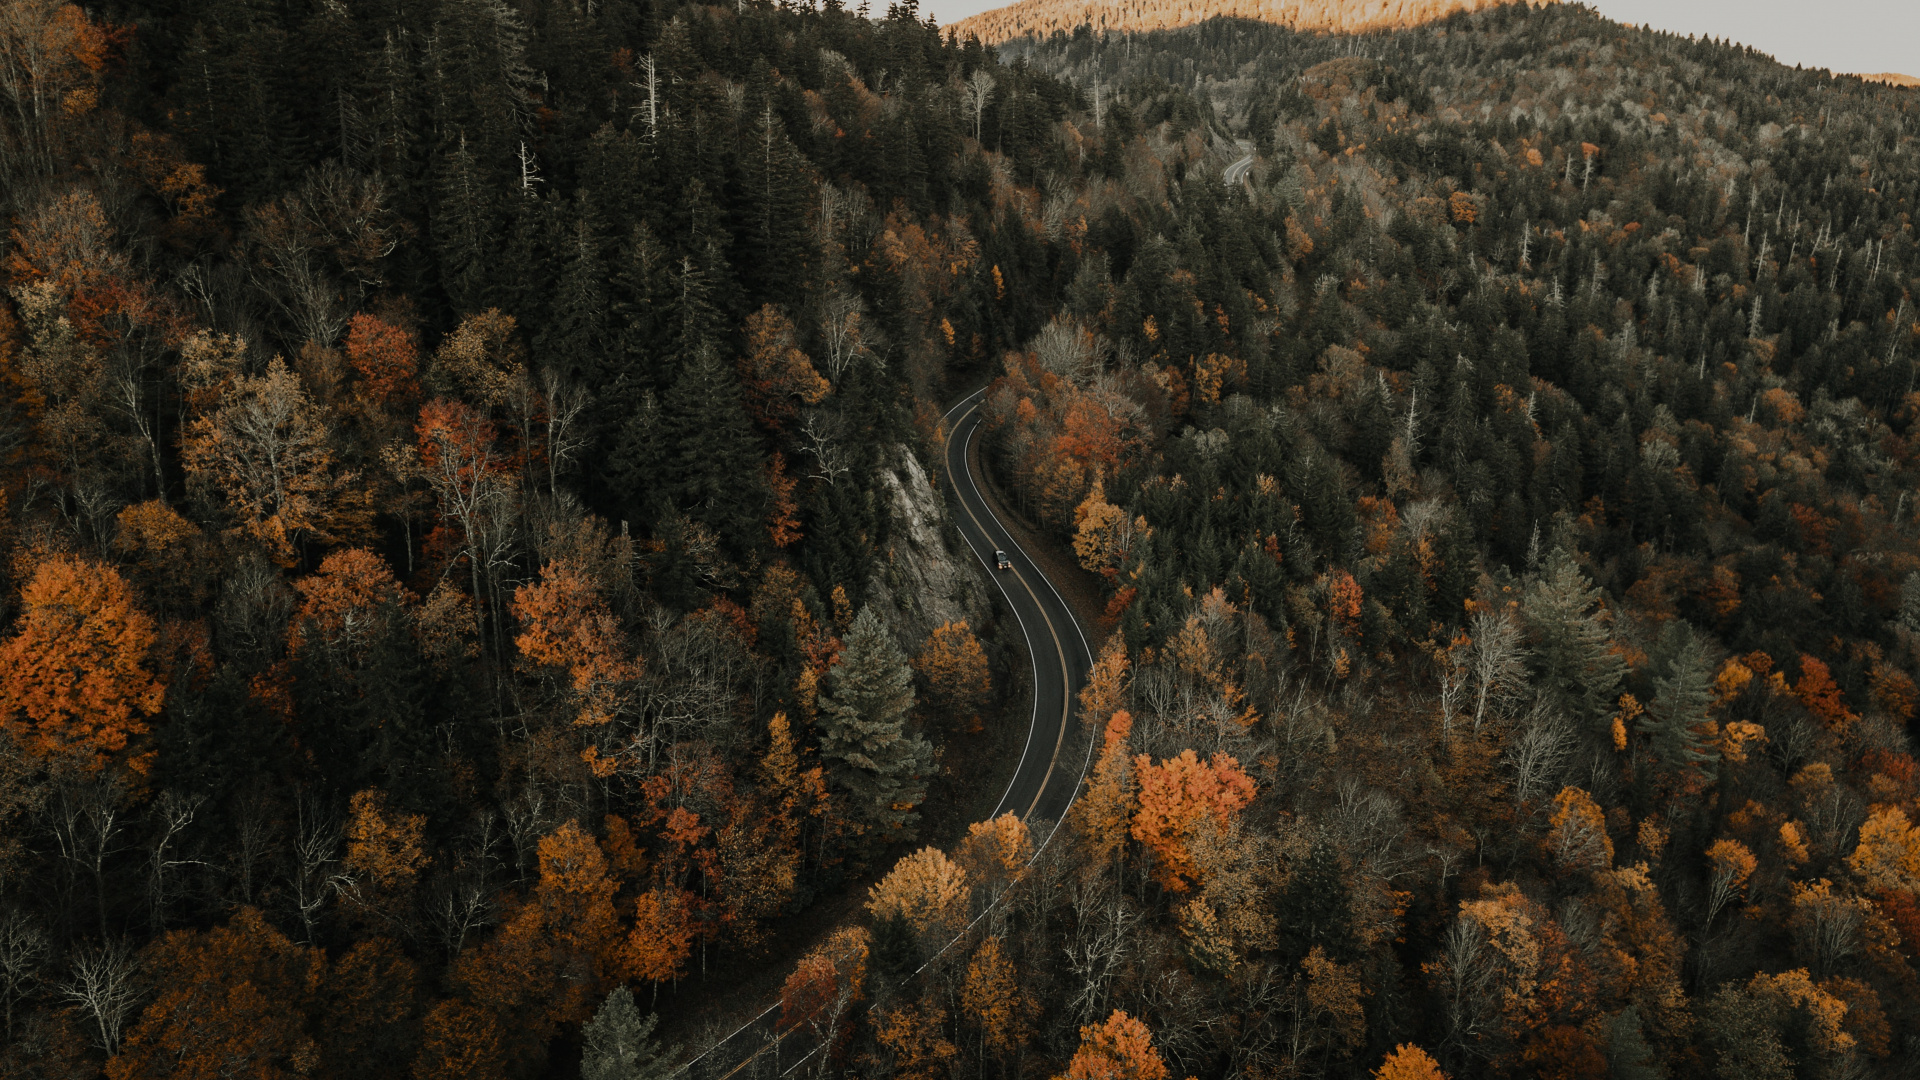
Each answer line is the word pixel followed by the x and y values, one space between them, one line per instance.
pixel 104 989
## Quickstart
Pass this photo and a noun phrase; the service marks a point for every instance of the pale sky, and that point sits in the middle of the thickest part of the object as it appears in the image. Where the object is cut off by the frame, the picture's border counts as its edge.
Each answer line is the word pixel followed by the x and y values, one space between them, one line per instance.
pixel 1844 35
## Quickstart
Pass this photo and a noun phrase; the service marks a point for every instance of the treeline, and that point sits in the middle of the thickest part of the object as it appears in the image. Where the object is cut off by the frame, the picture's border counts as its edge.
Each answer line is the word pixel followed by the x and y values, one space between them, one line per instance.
pixel 1039 20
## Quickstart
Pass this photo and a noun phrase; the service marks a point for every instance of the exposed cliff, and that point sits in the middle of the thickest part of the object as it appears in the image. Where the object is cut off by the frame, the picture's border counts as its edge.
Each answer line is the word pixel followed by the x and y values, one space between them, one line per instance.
pixel 926 575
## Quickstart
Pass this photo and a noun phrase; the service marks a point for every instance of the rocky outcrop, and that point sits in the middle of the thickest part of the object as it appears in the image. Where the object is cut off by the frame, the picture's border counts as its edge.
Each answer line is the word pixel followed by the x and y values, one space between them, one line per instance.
pixel 926 575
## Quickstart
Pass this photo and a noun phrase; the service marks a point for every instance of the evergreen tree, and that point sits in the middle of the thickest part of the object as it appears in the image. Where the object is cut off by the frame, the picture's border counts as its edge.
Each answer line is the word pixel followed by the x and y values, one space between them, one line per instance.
pixel 869 694
pixel 1313 909
pixel 619 1042
pixel 576 337
pixel 1676 719
pixel 773 240
pixel 712 470
pixel 1572 649
pixel 463 220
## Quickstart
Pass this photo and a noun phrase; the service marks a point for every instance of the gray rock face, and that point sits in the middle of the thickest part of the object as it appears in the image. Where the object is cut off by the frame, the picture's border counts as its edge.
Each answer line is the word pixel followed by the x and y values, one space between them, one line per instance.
pixel 926 576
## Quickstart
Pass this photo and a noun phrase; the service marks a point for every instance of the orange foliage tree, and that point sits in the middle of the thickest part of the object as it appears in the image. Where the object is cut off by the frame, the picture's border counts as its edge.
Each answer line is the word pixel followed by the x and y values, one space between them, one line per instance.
pixel 1119 1049
pixel 565 624
pixel 825 985
pixel 575 898
pixel 1409 1062
pixel 776 378
pixel 661 939
pixel 1174 796
pixel 1821 695
pixel 74 682
pixel 341 603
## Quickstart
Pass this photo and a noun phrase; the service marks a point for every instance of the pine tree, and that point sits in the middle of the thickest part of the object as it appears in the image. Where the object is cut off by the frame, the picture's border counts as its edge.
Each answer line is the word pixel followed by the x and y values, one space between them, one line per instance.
pixel 773 242
pixel 869 693
pixel 713 470
pixel 576 337
pixel 1676 720
pixel 1572 648
pixel 463 220
pixel 619 1042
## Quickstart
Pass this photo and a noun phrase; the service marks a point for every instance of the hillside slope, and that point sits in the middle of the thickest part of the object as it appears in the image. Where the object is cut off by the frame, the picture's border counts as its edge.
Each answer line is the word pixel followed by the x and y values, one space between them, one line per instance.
pixel 1040 18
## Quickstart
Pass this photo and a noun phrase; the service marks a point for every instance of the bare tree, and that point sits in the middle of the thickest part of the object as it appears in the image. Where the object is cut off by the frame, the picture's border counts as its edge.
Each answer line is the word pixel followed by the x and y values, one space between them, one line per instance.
pixel 1469 970
pixel 566 404
pixel 104 991
pixel 310 871
pixel 1104 918
pixel 256 834
pixel 1538 757
pixel 173 813
pixel 842 329
pixel 23 952
pixel 1495 668
pixel 87 822
pixel 979 91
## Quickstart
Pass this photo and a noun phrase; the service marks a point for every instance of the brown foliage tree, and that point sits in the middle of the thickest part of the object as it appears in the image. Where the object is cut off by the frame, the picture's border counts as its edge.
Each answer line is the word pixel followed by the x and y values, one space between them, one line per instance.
pixel 233 1001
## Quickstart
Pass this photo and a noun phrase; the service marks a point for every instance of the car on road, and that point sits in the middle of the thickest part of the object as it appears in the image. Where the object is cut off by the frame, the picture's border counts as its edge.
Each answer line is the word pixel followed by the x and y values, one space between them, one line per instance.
pixel 1000 561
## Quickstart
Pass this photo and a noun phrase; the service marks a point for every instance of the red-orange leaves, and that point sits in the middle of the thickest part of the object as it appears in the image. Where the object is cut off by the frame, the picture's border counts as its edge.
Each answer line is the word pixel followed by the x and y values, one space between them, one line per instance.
pixel 1821 695
pixel 1174 796
pixel 385 358
pixel 565 623
pixel 74 680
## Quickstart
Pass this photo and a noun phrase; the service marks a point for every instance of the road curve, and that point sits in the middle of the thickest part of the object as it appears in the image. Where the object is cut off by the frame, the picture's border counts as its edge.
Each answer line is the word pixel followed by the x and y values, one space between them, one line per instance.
pixel 1045 782
pixel 1048 776
pixel 1238 171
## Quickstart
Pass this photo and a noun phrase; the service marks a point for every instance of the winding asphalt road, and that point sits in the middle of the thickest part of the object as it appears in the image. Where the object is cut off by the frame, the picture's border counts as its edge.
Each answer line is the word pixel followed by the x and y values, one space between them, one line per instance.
pixel 1238 171
pixel 1048 776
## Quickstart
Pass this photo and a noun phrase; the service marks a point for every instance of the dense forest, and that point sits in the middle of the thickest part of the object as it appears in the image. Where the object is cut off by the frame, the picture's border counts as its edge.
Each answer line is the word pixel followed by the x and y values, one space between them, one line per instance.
pixel 461 462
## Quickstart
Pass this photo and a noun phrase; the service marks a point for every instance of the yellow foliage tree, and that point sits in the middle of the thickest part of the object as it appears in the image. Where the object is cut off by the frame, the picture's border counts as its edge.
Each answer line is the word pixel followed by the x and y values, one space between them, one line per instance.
pixel 992 999
pixel 1104 814
pixel 915 1036
pixel 384 852
pixel 1731 864
pixel 1888 856
pixel 995 854
pixel 1098 530
pixel 925 888
pixel 1579 832
pixel 955 667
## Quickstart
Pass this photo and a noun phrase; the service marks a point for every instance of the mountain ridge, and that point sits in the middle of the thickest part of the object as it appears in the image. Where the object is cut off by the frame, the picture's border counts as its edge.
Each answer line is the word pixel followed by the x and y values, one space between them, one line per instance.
pixel 1040 18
